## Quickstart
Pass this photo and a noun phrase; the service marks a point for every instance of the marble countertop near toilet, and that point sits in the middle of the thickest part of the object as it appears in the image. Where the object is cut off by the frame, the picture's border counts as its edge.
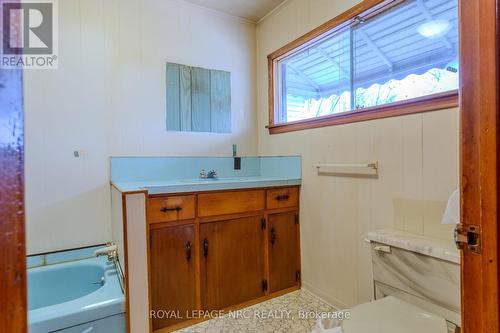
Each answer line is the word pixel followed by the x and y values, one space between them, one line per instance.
pixel 434 247
pixel 194 185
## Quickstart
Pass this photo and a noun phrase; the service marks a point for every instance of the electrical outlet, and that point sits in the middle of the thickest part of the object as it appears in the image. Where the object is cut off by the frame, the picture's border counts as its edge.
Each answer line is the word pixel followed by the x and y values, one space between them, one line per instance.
pixel 237 163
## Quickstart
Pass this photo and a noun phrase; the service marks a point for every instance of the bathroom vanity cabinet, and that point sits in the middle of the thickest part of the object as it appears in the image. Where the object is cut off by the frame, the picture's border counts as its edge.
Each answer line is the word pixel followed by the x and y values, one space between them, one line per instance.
pixel 220 250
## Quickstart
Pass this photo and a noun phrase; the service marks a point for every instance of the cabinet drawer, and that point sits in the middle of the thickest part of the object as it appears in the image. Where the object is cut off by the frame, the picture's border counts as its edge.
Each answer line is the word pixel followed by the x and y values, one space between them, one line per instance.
pixel 283 197
pixel 174 208
pixel 211 204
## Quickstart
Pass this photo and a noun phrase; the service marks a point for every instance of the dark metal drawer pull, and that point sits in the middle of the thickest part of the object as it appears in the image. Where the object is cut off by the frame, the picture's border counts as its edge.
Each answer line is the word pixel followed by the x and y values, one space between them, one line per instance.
pixel 188 251
pixel 173 209
pixel 282 197
pixel 205 247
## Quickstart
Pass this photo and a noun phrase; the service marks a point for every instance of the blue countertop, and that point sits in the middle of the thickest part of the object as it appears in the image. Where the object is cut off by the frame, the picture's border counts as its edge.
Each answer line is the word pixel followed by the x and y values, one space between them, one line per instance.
pixel 197 185
pixel 166 175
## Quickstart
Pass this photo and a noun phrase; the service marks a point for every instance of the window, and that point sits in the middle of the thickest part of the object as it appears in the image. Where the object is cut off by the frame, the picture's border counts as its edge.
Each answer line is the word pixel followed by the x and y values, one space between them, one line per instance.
pixel 400 57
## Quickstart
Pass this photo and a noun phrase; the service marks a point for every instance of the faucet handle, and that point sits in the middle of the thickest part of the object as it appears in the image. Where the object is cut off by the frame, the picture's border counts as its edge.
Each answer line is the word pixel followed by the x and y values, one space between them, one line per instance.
pixel 203 174
pixel 112 255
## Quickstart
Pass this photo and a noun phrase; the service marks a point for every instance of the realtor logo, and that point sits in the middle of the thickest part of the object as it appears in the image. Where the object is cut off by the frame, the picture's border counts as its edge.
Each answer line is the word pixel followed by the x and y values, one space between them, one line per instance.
pixel 29 38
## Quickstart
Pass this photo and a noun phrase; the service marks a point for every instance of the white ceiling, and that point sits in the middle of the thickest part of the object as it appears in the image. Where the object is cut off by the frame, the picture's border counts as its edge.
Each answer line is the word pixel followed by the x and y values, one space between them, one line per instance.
pixel 252 10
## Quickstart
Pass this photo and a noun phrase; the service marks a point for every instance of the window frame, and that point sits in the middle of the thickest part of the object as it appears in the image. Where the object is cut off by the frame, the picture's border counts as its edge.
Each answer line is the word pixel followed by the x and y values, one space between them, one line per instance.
pixel 365 10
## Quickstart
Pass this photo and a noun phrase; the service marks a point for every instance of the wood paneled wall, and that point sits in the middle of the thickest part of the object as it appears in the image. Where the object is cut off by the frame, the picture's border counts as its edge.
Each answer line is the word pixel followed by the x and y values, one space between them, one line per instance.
pixel 198 99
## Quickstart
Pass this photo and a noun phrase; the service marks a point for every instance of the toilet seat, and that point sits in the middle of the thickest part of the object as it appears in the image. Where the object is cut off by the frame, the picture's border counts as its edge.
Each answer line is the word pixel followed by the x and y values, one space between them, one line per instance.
pixel 392 315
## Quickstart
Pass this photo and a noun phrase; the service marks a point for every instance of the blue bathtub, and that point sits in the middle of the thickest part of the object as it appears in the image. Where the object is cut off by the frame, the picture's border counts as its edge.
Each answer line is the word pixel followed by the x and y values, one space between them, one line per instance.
pixel 82 296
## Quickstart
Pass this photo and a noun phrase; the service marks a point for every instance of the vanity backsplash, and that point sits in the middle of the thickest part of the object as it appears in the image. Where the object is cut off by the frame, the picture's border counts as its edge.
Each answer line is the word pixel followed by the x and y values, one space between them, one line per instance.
pixel 137 169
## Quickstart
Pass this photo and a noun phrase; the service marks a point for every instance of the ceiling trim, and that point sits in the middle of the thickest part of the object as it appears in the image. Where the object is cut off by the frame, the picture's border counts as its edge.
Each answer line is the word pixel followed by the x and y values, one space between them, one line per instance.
pixel 273 11
pixel 221 13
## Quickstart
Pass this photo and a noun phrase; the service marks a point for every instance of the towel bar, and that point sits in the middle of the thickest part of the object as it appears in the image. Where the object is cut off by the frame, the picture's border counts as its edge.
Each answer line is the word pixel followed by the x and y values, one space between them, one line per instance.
pixel 349 168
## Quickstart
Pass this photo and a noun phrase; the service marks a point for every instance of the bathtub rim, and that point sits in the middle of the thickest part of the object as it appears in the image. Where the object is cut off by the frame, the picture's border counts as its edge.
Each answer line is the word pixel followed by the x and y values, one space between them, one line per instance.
pixel 106 301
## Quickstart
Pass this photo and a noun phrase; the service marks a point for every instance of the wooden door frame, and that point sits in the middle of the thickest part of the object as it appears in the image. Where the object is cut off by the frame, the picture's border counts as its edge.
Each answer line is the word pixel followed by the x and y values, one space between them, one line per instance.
pixel 13 309
pixel 480 133
pixel 13 306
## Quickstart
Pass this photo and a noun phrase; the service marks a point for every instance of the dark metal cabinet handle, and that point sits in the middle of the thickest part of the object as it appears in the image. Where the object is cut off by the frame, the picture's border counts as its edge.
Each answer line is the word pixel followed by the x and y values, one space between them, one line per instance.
pixel 273 236
pixel 172 209
pixel 205 247
pixel 282 197
pixel 188 251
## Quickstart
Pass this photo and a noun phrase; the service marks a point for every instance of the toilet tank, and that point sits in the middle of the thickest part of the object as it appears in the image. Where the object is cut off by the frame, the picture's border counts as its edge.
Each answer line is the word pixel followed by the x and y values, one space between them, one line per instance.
pixel 417 275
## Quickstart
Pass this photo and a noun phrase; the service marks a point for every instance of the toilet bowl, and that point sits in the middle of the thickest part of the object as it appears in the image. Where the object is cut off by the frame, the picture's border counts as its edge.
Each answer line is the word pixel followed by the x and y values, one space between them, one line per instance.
pixel 392 315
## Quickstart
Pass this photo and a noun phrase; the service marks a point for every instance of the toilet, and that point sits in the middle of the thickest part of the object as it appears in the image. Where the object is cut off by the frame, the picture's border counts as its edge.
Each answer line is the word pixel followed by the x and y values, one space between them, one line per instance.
pixel 416 286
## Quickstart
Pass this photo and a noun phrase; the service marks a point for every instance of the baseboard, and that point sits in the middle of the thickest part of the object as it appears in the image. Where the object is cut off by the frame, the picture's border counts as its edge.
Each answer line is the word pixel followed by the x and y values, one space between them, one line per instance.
pixel 328 299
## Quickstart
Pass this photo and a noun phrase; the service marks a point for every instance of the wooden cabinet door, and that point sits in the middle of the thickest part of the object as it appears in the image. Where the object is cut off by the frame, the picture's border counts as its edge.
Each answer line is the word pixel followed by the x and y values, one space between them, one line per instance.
pixel 232 262
pixel 172 269
pixel 284 256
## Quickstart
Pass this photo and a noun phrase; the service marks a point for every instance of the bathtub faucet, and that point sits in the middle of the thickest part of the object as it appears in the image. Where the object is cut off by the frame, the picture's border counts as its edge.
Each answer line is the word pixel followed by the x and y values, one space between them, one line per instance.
pixel 110 250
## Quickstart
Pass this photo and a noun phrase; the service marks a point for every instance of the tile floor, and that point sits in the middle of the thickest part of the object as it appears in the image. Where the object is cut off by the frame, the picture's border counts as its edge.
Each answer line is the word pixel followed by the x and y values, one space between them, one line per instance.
pixel 295 312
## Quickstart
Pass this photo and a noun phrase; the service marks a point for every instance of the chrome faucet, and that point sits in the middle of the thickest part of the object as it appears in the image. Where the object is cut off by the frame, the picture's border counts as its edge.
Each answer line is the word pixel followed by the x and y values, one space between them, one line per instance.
pixel 212 174
pixel 110 250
